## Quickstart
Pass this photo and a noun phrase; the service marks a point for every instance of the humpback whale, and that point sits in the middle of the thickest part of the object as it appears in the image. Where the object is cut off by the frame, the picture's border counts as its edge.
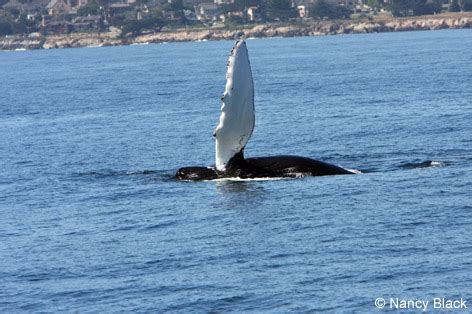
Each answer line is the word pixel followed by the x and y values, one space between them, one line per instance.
pixel 235 127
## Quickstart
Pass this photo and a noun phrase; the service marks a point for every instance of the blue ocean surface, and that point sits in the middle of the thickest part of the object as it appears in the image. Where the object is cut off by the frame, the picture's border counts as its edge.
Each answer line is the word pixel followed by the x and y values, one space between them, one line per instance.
pixel 93 221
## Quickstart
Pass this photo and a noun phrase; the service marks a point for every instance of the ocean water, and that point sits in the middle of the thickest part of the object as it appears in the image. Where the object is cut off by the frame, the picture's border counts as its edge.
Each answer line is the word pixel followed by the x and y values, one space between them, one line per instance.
pixel 92 220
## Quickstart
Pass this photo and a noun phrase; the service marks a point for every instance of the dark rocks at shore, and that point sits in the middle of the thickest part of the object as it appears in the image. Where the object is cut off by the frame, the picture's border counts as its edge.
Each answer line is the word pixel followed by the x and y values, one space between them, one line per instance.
pixel 320 28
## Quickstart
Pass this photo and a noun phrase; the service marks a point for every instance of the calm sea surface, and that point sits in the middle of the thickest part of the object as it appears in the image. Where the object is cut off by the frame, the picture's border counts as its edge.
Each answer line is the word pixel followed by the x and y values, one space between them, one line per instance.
pixel 91 219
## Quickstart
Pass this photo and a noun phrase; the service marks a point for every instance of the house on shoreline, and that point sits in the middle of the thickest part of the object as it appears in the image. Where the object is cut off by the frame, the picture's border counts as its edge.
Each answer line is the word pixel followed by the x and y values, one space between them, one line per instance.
pixel 56 7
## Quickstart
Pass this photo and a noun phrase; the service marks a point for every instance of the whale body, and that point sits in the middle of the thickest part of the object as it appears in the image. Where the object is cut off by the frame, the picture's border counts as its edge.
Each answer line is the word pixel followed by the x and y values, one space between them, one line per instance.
pixel 235 127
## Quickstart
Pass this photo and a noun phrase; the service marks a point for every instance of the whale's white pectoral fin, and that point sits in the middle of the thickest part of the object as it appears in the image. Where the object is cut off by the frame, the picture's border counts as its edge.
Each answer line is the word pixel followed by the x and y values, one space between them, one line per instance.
pixel 237 111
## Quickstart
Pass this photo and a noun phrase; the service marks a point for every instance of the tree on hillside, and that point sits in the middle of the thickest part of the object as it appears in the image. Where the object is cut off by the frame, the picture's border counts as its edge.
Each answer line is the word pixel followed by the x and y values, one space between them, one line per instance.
pixel 240 5
pixel 142 2
pixel 91 8
pixel 454 6
pixel 13 11
pixel 10 24
pixel 280 9
pixel 424 7
pixel 136 27
pixel 466 5
pixel 323 9
pixel 5 27
pixel 175 5
pixel 373 4
pixel 400 7
pixel 415 7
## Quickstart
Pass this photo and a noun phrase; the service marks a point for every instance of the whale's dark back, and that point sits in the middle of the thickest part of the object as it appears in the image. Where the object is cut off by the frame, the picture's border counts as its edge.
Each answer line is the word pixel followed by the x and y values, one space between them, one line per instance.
pixel 263 167
pixel 196 173
pixel 296 164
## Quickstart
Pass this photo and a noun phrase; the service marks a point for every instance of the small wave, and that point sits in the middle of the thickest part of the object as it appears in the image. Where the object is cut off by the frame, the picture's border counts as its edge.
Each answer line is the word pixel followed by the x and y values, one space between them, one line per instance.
pixel 355 171
pixel 160 225
pixel 113 173
pixel 423 164
pixel 110 174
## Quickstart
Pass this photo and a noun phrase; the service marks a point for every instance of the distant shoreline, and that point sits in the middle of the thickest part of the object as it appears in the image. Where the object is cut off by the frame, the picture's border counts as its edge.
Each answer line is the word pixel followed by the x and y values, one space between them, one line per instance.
pixel 314 28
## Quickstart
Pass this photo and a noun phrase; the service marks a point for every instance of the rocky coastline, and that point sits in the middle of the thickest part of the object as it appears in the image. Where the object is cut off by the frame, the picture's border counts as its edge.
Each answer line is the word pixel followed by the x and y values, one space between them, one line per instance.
pixel 317 28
